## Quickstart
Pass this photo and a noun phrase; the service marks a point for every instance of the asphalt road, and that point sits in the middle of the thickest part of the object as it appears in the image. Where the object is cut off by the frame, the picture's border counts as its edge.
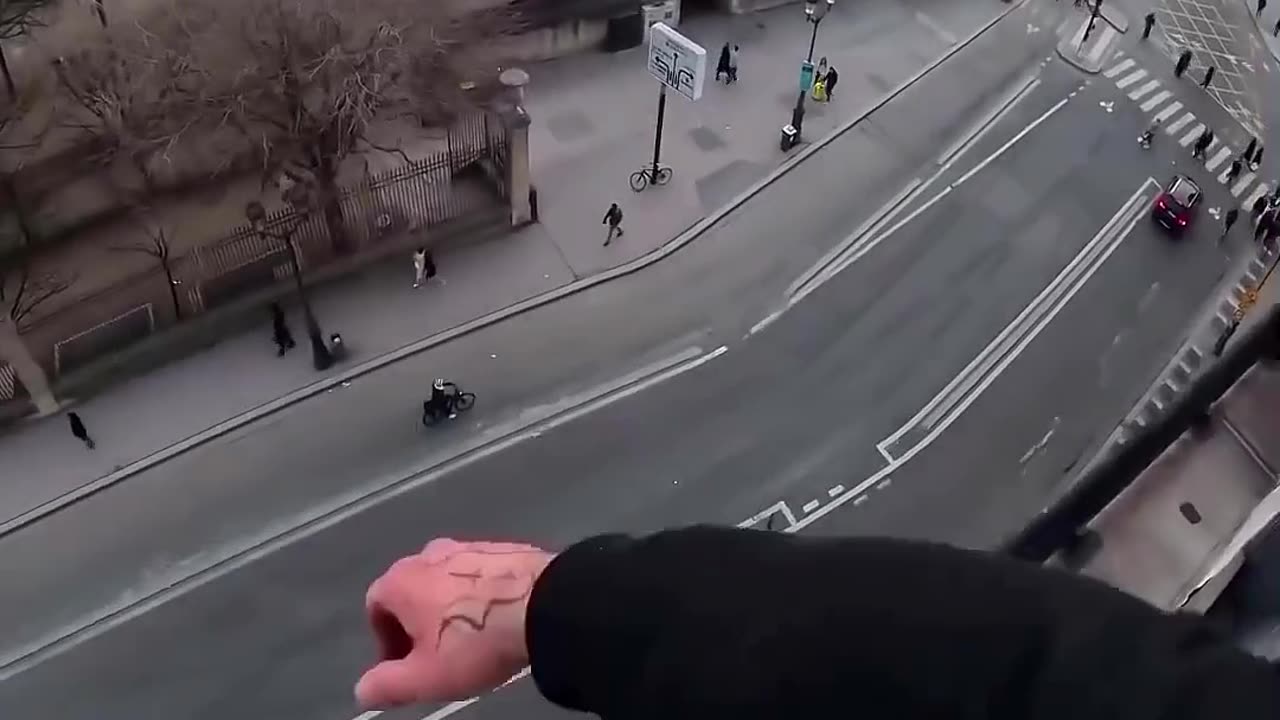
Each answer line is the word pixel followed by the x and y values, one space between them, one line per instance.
pixel 791 413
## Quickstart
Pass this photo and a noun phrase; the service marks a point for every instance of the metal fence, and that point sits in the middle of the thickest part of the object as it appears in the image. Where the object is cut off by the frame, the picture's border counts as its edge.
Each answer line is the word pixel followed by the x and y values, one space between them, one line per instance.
pixel 412 197
pixel 8 383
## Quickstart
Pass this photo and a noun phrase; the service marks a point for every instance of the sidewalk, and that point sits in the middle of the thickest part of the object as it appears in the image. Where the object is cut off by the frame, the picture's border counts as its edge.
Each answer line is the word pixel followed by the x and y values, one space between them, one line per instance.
pixel 1268 22
pixel 593 122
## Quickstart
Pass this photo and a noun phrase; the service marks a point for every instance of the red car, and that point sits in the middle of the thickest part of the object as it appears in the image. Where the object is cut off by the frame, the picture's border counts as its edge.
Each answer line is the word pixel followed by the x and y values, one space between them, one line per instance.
pixel 1176 204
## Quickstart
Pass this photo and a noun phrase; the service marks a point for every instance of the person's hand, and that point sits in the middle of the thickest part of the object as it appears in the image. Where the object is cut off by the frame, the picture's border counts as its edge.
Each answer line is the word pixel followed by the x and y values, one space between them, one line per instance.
pixel 449 622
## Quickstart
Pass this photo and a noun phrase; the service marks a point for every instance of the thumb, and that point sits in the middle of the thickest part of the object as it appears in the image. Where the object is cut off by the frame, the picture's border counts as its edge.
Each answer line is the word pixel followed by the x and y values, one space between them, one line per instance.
pixel 392 683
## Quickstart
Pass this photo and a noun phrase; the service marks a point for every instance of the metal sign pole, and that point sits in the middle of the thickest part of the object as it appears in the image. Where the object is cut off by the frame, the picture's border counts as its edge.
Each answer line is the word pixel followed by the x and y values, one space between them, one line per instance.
pixel 657 133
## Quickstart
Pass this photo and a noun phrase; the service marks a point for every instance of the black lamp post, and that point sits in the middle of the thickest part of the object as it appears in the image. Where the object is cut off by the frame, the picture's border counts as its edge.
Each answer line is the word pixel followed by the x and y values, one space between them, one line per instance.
pixel 321 358
pixel 814 12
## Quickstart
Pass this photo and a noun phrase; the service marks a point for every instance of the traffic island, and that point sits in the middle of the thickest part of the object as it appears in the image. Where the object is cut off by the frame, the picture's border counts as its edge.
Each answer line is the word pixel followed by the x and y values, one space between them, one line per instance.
pixel 1097 33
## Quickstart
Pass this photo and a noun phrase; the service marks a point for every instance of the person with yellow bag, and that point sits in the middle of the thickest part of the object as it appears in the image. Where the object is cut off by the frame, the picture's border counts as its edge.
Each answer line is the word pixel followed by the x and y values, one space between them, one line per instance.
pixel 820 81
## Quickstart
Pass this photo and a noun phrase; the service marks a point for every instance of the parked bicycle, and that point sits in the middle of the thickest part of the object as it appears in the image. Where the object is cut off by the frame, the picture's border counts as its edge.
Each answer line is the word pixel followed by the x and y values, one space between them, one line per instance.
pixel 645 176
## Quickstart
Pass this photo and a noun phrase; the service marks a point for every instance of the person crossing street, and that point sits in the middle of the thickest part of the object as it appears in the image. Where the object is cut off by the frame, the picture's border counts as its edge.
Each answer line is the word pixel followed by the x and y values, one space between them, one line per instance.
pixel 1228 222
pixel 1184 62
pixel 1148 22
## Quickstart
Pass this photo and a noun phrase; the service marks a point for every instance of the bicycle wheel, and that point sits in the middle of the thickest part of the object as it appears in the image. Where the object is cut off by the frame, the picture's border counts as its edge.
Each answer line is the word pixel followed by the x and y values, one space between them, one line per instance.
pixel 464 401
pixel 639 180
pixel 664 176
pixel 429 418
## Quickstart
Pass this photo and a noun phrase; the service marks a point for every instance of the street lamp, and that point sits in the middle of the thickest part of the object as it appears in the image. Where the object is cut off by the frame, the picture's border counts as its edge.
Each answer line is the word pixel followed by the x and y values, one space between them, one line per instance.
pixel 814 12
pixel 321 358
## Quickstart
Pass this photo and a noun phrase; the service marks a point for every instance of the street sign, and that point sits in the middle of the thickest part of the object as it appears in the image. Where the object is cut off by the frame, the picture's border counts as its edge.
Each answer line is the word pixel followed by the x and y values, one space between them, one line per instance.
pixel 676 61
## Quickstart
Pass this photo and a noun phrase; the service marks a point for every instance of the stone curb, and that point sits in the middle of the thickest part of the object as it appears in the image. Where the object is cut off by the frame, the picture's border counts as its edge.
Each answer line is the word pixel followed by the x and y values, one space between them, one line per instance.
pixel 684 238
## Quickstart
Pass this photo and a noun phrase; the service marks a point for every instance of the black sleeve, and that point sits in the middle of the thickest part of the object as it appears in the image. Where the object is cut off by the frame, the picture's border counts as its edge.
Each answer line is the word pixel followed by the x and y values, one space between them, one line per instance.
pixel 720 623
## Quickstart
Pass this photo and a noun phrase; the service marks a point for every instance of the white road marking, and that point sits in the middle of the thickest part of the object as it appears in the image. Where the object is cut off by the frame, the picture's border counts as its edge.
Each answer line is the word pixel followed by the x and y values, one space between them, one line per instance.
pixel 1154 101
pixel 1243 184
pixel 810 506
pixel 454 707
pixel 1180 123
pixel 1191 135
pixel 1119 68
pixel 1169 110
pixel 766 322
pixel 866 236
pixel 360 500
pixel 1100 46
pixel 1218 158
pixel 1253 196
pixel 860 250
pixel 852 494
pixel 942 33
pixel 835 490
pixel 1144 89
pixel 1131 78
pixel 861 499
pixel 763 515
pixel 885 483
pixel 1019 333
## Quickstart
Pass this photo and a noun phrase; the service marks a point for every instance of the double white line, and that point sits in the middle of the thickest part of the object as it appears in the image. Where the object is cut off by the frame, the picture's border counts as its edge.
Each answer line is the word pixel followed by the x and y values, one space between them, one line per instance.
pixel 961 392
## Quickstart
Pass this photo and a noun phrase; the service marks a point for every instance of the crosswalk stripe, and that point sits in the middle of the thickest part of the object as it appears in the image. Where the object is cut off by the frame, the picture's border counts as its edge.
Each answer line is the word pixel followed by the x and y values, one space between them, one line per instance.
pixel 1121 67
pixel 1181 123
pixel 1191 135
pixel 1100 46
pixel 1145 88
pixel 1168 112
pixel 1154 101
pixel 1243 184
pixel 1131 78
pixel 1253 196
pixel 1219 157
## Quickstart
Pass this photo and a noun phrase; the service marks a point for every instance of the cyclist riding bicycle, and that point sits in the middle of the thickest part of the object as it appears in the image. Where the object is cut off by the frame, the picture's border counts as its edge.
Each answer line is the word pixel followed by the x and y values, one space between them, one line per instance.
pixel 441 401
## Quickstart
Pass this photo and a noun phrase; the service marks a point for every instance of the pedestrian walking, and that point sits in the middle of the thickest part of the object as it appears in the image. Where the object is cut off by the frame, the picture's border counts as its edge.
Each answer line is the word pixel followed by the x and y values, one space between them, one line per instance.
pixel 722 65
pixel 1275 31
pixel 1259 206
pixel 80 431
pixel 832 78
pixel 1202 143
pixel 613 218
pixel 1263 228
pixel 1256 161
pixel 419 266
pixel 1148 22
pixel 1208 77
pixel 280 331
pixel 429 266
pixel 1227 222
pixel 1184 62
pixel 1250 149
pixel 1262 5
pixel 1233 172
pixel 733 64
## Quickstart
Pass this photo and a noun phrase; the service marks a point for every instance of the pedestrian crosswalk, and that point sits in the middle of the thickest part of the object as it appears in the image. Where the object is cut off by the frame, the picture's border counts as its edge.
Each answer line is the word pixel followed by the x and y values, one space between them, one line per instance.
pixel 1161 104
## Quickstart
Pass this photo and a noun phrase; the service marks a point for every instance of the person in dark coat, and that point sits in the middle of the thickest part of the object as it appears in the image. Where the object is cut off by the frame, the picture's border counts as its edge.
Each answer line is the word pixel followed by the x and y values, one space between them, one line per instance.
pixel 1208 77
pixel 1184 62
pixel 722 65
pixel 280 331
pixel 833 77
pixel 79 430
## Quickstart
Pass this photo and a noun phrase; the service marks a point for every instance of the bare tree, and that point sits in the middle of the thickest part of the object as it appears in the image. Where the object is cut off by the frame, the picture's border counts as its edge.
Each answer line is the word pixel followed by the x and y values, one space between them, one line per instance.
pixel 134 95
pixel 156 246
pixel 17 18
pixel 305 80
pixel 22 290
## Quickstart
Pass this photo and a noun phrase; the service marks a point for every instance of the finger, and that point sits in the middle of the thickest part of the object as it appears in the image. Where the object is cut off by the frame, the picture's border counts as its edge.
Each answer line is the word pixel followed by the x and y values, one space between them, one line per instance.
pixel 393 683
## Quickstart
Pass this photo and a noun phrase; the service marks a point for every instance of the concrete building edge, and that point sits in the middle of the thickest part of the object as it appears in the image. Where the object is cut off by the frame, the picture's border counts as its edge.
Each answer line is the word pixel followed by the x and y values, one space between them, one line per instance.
pixel 687 236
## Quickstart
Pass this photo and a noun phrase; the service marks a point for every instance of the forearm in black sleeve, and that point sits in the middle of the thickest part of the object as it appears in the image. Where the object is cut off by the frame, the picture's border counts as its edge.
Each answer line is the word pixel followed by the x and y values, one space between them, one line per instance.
pixel 720 623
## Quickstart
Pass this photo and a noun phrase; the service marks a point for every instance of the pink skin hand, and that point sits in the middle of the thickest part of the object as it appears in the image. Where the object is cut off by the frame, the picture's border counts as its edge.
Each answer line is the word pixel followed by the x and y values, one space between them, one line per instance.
pixel 449 622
